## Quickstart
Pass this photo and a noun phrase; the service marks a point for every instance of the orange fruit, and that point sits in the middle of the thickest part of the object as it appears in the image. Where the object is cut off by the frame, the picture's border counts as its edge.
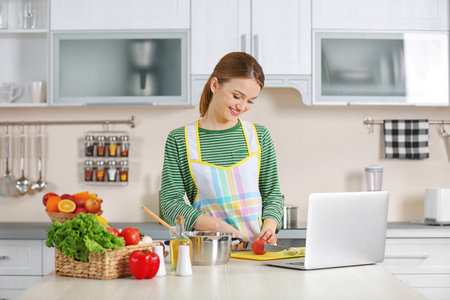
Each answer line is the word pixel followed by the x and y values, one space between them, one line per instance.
pixel 66 206
pixel 82 195
pixel 52 203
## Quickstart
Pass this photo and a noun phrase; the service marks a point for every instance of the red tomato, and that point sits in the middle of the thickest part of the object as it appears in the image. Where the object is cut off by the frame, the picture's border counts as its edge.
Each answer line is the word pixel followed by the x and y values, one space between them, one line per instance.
pixel 131 235
pixel 143 264
pixel 113 231
pixel 258 247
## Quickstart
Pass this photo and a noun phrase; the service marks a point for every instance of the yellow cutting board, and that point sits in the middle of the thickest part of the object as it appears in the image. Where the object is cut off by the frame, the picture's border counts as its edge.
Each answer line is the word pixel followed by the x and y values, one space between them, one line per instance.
pixel 266 256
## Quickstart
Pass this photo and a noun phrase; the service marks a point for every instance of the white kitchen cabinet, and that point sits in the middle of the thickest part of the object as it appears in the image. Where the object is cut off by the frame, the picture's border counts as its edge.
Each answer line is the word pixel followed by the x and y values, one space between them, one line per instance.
pixel 276 33
pixel 118 14
pixel 22 264
pixel 381 14
pixel 422 263
pixel 24 52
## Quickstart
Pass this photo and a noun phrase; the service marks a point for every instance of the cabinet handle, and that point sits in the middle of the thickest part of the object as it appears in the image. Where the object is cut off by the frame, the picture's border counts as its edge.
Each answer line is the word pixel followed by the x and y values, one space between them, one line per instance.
pixel 406 256
pixel 256 46
pixel 4 257
pixel 243 42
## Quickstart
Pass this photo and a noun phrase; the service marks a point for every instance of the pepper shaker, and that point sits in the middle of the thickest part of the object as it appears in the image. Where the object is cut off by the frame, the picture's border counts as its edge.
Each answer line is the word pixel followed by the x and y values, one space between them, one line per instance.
pixel 89 145
pixel 101 146
pixel 123 170
pixel 88 170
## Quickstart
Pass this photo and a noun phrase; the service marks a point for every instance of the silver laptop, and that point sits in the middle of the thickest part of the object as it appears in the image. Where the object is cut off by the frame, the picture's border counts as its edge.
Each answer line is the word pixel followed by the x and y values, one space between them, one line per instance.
pixel 343 229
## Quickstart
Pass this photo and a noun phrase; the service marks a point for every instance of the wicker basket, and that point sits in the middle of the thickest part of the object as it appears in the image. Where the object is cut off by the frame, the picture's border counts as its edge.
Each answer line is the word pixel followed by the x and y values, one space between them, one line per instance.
pixel 63 217
pixel 108 265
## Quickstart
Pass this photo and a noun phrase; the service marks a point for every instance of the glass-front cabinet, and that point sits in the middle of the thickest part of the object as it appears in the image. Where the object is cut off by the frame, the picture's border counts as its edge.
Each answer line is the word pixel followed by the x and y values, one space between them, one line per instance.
pixel 408 68
pixel 112 68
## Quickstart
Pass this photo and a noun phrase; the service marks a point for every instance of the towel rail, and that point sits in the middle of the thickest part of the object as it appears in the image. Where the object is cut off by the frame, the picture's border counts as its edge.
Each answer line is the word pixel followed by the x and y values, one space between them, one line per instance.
pixel 368 123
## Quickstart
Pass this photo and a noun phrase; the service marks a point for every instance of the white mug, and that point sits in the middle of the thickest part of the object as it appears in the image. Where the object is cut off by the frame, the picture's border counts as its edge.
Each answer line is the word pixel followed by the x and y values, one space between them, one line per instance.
pixel 9 91
pixel 38 92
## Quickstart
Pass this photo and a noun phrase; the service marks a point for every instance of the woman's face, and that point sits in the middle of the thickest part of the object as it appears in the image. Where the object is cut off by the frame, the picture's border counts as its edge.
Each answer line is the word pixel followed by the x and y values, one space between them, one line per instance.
pixel 232 98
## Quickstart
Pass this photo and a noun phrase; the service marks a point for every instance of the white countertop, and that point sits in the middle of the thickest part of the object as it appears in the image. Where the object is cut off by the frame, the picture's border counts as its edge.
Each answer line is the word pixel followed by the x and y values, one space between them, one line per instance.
pixel 239 279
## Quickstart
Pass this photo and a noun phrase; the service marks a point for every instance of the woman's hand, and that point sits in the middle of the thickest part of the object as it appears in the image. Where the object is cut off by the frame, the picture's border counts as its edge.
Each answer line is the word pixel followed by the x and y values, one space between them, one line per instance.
pixel 208 223
pixel 268 231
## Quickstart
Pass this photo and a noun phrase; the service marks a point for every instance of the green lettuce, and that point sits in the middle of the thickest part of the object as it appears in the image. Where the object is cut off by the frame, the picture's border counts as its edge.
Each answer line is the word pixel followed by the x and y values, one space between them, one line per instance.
pixel 83 235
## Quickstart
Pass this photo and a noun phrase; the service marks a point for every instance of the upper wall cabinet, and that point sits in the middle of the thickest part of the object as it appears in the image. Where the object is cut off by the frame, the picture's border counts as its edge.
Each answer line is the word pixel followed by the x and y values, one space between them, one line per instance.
pixel 117 14
pixel 381 14
pixel 276 33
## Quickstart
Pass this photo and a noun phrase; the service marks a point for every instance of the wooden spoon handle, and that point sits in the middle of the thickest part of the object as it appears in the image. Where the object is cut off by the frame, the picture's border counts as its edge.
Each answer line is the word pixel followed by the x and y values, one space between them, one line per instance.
pixel 156 217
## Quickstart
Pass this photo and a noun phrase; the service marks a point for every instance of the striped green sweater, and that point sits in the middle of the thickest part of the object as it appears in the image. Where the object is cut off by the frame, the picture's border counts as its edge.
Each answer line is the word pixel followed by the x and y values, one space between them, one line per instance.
pixel 223 148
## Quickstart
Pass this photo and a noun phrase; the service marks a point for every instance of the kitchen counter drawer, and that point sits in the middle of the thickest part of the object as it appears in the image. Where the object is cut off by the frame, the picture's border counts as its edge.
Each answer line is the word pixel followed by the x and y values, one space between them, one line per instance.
pixel 13 286
pixel 417 256
pixel 20 257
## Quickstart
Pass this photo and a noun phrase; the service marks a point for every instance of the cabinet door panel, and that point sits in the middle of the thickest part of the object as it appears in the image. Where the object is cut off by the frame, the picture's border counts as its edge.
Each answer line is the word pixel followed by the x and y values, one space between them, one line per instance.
pixel 282 36
pixel 114 14
pixel 20 257
pixel 381 14
pixel 218 27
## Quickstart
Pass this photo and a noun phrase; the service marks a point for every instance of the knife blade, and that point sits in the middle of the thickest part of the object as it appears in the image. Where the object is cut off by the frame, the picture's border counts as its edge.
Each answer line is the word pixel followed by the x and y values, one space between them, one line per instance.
pixel 267 247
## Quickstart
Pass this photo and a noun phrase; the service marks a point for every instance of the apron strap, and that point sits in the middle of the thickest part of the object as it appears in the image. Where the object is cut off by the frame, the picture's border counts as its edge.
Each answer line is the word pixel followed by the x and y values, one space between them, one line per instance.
pixel 192 142
pixel 250 136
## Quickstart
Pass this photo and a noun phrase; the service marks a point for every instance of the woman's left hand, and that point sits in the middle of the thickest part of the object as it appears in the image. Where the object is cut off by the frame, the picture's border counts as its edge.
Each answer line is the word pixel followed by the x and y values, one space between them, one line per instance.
pixel 268 231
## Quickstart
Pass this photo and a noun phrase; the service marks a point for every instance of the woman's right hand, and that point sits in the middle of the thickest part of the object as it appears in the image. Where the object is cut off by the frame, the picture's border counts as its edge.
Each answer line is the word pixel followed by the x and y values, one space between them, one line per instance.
pixel 208 223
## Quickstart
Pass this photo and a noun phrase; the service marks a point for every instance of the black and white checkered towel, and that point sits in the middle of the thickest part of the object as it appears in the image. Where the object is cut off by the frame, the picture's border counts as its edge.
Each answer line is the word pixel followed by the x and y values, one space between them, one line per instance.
pixel 406 139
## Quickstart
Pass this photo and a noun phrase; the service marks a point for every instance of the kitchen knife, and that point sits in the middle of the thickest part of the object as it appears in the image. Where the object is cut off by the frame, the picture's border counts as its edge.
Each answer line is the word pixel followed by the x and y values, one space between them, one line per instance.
pixel 267 247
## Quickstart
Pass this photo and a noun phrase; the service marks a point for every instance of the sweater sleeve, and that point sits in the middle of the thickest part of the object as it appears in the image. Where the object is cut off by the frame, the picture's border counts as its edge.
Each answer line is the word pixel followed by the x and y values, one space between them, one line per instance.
pixel 172 186
pixel 269 186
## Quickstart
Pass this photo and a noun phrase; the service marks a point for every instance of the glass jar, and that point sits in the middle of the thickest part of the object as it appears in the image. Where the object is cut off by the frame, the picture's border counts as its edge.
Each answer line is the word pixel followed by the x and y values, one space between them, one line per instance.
pixel 123 170
pixel 29 13
pixel 101 146
pixel 112 147
pixel 88 170
pixel 125 146
pixel 112 170
pixel 89 145
pixel 100 172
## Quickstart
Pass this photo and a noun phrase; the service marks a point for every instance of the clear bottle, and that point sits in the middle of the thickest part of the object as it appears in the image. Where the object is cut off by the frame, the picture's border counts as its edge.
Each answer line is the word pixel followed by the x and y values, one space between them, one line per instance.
pixel 89 145
pixel 88 170
pixel 125 146
pixel 112 170
pixel 101 146
pixel 100 172
pixel 123 170
pixel 112 147
pixel 178 238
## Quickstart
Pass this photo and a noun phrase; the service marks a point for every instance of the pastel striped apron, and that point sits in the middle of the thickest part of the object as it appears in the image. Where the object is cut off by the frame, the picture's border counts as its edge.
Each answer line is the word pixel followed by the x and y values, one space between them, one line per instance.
pixel 228 193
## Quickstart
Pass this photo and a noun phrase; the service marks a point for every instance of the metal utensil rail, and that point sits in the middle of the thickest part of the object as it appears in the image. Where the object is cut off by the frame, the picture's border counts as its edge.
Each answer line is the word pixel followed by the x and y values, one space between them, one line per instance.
pixel 131 122
pixel 368 123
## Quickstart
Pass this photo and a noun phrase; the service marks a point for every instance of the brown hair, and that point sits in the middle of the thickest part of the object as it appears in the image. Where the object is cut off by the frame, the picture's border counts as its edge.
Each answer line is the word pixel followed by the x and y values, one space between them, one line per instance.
pixel 232 65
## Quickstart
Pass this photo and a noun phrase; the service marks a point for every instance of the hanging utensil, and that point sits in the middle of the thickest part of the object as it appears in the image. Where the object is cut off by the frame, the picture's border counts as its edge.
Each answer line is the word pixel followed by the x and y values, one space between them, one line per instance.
pixel 7 182
pixel 39 185
pixel 22 184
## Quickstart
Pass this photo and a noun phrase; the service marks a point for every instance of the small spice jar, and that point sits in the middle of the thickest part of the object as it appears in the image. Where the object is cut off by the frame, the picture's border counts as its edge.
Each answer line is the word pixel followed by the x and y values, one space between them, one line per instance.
pixel 89 145
pixel 112 147
pixel 112 170
pixel 100 172
pixel 125 145
pixel 88 170
pixel 101 145
pixel 123 170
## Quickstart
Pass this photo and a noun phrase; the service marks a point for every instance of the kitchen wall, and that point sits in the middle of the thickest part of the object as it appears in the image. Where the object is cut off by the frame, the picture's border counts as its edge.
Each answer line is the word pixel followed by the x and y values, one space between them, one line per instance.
pixel 319 149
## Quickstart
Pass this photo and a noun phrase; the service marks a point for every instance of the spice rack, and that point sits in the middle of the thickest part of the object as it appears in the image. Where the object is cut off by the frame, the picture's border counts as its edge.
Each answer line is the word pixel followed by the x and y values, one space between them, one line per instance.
pixel 106 158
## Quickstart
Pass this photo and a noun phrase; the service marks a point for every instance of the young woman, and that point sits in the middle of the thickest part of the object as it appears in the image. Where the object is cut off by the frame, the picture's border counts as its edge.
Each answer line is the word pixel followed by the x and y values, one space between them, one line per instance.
pixel 226 166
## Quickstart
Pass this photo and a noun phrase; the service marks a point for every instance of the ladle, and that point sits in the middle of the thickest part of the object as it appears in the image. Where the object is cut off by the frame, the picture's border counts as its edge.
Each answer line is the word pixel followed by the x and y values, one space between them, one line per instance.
pixel 39 185
pixel 22 184
pixel 7 182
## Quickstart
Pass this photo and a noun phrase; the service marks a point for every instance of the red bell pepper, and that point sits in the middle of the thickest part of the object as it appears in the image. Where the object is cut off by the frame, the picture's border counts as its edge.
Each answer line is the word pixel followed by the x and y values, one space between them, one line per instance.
pixel 143 264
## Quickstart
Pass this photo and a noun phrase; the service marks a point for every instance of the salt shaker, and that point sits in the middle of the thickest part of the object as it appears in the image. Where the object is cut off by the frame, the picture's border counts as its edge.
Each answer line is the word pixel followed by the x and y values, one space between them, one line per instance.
pixel 158 249
pixel 184 266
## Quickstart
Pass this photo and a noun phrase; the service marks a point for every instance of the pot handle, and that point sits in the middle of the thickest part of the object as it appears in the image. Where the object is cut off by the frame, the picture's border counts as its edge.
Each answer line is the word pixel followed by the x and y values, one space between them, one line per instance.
pixel 235 241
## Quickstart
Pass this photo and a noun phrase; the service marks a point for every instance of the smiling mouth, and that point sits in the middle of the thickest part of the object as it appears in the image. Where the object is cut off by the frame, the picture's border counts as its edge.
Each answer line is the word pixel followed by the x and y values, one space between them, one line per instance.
pixel 234 112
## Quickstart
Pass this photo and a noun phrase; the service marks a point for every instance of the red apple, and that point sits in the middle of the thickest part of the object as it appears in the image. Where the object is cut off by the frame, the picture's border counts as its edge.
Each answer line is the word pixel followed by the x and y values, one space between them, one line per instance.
pixel 46 197
pixel 93 205
pixel 79 202
pixel 67 196
pixel 80 209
